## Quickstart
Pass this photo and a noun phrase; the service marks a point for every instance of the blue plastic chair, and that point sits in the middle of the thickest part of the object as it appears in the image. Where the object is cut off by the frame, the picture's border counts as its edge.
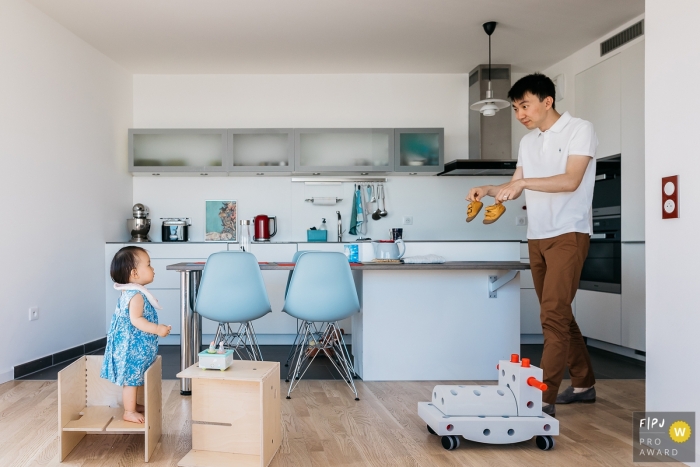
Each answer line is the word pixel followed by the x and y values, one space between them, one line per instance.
pixel 232 291
pixel 321 292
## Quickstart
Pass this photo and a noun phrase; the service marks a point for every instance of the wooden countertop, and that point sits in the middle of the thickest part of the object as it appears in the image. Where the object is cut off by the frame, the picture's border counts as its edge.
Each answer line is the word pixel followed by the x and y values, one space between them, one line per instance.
pixel 449 265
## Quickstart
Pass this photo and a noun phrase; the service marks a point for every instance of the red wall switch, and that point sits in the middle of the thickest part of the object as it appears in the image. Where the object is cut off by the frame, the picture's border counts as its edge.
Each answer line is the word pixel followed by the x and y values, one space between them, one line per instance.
pixel 670 206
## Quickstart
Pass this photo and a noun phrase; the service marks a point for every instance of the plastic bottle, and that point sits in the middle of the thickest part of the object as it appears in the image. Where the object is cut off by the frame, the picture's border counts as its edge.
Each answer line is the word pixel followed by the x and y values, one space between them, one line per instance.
pixel 323 225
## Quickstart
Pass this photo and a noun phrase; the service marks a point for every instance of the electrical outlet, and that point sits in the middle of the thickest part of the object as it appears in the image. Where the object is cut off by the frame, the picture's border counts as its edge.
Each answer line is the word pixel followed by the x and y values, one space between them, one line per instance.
pixel 520 220
pixel 407 220
pixel 33 313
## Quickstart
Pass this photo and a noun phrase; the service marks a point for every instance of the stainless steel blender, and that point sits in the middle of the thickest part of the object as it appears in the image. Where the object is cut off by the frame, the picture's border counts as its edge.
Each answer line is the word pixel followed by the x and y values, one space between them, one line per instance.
pixel 140 225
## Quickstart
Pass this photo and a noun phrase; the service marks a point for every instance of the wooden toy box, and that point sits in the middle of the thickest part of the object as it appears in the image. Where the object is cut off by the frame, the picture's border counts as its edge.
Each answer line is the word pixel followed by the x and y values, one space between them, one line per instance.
pixel 88 404
pixel 236 418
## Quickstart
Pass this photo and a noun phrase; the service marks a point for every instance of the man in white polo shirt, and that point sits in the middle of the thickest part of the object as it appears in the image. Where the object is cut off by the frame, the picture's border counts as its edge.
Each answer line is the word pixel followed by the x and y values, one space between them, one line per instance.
pixel 556 170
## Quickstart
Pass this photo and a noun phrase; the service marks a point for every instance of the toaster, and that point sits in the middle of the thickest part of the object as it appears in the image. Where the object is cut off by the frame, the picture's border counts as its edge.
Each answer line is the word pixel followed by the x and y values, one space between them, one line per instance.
pixel 175 229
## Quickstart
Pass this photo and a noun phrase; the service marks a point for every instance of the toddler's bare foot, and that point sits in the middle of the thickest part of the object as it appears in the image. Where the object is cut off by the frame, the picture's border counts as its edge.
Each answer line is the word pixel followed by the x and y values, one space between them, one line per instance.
pixel 133 417
pixel 140 408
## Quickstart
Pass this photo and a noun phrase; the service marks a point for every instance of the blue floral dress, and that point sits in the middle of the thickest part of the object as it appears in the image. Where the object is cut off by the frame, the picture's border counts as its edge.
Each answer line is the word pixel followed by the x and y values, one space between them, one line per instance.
pixel 129 350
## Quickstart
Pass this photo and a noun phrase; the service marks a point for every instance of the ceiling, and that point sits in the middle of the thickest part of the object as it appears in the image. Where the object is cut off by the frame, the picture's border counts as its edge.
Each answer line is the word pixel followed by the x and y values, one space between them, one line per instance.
pixel 335 36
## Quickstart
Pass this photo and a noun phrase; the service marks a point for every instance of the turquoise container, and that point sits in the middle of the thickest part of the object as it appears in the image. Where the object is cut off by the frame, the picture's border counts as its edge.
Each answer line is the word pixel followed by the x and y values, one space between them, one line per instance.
pixel 316 235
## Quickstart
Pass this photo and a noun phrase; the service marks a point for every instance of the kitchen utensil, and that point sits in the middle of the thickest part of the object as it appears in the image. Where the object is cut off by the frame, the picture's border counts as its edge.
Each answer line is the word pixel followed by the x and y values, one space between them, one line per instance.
pixel 245 234
pixel 396 234
pixel 388 249
pixel 175 229
pixel 370 193
pixel 383 212
pixel 140 225
pixel 262 228
pixel 376 215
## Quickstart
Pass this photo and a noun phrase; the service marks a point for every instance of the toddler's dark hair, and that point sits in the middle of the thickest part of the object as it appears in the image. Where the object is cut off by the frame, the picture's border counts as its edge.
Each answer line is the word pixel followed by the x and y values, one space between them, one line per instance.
pixel 123 263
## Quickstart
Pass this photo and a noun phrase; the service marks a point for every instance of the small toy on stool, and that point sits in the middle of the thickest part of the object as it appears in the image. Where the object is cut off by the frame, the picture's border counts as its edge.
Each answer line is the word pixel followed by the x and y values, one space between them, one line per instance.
pixel 212 359
pixel 508 413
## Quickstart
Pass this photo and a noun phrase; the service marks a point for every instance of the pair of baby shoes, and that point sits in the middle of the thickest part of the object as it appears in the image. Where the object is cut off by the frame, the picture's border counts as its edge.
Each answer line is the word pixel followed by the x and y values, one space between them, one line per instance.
pixel 493 212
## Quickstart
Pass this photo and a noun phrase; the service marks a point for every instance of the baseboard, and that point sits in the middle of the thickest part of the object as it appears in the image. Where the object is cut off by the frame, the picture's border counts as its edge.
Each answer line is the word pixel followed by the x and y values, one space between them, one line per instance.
pixel 531 339
pixel 48 361
pixel 6 376
pixel 617 349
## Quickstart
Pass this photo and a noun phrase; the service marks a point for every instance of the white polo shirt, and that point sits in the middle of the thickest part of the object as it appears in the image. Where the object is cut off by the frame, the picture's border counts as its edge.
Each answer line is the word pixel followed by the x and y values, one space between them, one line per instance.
pixel 544 154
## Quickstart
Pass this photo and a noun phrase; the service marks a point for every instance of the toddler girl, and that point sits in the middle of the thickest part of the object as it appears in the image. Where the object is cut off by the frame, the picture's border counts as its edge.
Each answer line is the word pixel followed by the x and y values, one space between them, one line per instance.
pixel 132 342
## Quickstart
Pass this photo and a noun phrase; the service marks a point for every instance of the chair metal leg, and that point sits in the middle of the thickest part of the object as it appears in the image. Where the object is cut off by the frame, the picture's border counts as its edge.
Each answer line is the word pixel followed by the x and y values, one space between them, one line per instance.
pixel 290 356
pixel 300 356
pixel 325 341
pixel 242 342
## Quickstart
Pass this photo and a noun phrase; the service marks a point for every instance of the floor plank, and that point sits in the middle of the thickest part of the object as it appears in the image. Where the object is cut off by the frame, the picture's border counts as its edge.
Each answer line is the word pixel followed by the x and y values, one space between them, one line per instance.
pixel 324 426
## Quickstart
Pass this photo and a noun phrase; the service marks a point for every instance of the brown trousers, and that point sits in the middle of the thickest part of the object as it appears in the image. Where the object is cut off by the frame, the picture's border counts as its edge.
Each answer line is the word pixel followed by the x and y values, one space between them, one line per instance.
pixel 556 265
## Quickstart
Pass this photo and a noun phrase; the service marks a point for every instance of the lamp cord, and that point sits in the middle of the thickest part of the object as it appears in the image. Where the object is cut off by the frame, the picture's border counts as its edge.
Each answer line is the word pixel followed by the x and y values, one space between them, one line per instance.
pixel 489 58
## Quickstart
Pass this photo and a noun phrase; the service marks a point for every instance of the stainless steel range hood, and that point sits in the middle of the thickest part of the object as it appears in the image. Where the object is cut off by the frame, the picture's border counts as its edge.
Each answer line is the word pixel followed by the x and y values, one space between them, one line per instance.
pixel 490 149
pixel 479 167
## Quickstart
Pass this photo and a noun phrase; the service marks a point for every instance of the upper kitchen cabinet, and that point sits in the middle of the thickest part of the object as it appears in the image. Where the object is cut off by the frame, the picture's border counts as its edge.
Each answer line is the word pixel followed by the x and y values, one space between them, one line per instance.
pixel 598 101
pixel 611 96
pixel 632 143
pixel 419 150
pixel 342 150
pixel 173 151
pixel 261 151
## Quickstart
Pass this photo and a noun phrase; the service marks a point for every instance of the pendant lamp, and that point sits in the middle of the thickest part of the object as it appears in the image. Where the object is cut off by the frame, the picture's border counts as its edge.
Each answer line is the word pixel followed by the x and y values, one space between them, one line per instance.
pixel 489 106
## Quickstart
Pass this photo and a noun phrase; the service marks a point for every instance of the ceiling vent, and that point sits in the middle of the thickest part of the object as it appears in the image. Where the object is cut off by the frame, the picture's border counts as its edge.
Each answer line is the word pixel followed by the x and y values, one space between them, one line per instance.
pixel 623 37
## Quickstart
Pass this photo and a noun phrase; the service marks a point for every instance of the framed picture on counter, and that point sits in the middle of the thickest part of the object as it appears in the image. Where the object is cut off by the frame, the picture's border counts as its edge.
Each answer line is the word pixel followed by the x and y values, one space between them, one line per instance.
pixel 221 218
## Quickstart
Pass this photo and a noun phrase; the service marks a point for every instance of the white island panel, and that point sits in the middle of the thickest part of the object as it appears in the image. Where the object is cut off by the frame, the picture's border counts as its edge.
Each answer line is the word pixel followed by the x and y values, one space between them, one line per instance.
pixel 436 326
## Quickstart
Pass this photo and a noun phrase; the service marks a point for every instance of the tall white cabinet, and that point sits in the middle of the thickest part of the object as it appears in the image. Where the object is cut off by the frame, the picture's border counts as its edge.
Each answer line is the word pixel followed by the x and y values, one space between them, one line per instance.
pixel 611 96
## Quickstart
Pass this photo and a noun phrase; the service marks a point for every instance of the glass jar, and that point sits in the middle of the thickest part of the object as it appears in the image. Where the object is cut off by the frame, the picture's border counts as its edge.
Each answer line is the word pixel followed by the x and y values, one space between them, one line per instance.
pixel 246 234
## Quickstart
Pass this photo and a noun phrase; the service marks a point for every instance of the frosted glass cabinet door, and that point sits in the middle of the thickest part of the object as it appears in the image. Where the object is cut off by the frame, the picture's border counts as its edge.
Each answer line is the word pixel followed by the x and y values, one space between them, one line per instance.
pixel 419 149
pixel 178 150
pixel 344 150
pixel 261 150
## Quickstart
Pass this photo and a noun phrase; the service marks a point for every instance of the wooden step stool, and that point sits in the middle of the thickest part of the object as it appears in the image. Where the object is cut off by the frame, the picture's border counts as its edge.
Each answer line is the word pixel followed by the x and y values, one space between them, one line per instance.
pixel 236 417
pixel 88 404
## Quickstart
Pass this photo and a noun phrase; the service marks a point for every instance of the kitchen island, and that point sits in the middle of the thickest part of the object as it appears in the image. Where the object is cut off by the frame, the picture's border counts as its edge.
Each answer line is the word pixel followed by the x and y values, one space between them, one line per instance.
pixel 450 321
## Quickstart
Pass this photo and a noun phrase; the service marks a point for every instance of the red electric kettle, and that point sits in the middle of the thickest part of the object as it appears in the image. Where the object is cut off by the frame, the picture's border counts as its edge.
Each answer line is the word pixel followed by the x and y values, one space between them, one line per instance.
pixel 262 228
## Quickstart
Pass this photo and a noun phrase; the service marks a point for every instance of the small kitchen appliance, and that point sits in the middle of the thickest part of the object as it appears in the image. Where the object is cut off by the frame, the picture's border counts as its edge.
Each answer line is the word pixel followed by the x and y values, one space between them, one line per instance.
pixel 396 234
pixel 388 249
pixel 140 225
pixel 175 229
pixel 262 228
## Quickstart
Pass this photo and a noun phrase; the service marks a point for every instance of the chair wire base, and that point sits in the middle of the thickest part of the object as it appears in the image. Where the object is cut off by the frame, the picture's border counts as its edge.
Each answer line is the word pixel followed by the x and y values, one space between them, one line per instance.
pixel 313 340
pixel 243 342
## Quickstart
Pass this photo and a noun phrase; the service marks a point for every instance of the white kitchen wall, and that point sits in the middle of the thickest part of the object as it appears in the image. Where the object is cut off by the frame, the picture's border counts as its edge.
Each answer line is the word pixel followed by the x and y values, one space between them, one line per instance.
pixel 311 101
pixel 295 101
pixel 436 204
pixel 65 109
pixel 673 320
pixel 582 60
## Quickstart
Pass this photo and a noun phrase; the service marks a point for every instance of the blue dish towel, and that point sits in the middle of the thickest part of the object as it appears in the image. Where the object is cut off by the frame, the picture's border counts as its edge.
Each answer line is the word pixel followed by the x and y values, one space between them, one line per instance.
pixel 353 215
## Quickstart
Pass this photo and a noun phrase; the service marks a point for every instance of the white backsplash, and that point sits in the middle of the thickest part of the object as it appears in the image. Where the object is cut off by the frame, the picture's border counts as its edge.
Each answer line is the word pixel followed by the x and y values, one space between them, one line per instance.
pixel 436 204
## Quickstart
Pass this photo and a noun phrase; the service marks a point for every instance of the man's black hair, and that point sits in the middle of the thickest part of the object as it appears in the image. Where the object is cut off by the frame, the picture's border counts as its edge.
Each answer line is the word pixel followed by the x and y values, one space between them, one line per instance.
pixel 536 84
pixel 123 263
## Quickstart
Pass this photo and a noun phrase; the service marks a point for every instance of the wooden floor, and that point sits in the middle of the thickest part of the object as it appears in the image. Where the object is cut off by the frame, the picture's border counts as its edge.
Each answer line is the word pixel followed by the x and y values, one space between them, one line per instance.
pixel 324 426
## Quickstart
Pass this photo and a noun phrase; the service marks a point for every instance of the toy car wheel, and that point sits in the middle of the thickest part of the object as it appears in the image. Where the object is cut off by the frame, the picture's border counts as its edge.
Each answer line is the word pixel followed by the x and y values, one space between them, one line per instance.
pixel 544 442
pixel 430 430
pixel 450 442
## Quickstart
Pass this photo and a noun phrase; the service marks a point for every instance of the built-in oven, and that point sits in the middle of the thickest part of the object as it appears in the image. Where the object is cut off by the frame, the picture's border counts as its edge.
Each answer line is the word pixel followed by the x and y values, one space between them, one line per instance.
pixel 602 270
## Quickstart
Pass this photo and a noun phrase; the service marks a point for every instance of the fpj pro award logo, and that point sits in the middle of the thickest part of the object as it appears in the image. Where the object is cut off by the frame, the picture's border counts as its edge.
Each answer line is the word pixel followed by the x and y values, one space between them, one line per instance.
pixel 664 437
